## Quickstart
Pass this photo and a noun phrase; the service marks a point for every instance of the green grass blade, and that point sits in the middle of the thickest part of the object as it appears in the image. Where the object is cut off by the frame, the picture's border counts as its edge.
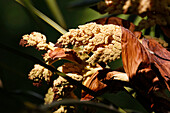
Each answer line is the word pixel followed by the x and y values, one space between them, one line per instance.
pixel 83 3
pixel 101 106
pixel 53 6
pixel 42 16
pixel 124 101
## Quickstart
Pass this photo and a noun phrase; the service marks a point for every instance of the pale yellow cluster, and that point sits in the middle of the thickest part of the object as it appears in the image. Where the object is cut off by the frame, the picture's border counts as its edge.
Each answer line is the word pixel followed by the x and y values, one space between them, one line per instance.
pixel 104 41
pixel 141 5
pixel 64 109
pixel 109 53
pixel 39 72
pixel 59 81
pixel 46 56
pixel 38 40
pixel 61 87
pixel 49 97
pixel 58 92
pixel 79 36
pixel 109 2
pixel 61 110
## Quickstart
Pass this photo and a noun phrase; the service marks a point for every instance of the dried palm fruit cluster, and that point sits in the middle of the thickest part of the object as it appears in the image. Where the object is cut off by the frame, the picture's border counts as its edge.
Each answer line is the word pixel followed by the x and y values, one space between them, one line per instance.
pixel 39 72
pixel 104 41
pixel 36 39
pixel 61 88
pixel 57 94
pixel 156 12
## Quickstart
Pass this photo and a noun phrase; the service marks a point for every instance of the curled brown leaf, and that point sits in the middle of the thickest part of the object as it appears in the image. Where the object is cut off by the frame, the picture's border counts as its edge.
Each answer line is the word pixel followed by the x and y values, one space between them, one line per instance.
pixel 160 58
pixel 102 81
pixel 64 53
pixel 22 42
pixel 147 66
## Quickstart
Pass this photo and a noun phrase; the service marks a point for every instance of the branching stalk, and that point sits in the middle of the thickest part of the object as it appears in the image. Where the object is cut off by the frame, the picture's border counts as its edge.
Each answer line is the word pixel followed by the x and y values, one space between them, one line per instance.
pixel 43 17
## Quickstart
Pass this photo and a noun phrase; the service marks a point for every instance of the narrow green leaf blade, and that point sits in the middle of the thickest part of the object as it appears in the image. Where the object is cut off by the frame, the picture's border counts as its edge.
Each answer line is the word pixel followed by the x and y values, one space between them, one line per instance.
pixel 43 17
pixel 124 101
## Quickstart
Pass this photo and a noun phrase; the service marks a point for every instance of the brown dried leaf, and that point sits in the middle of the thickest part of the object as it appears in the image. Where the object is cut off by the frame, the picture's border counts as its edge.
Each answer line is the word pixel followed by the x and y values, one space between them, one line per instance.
pixel 94 83
pixel 134 55
pixel 57 53
pixel 148 68
pixel 72 68
pixel 137 59
pixel 160 58
pixel 102 81
pixel 23 42
pixel 159 40
pixel 63 53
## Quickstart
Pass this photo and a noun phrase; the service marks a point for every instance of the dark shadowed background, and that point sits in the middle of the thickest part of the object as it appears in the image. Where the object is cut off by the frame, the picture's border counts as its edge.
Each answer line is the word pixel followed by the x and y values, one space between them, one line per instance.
pixel 16 91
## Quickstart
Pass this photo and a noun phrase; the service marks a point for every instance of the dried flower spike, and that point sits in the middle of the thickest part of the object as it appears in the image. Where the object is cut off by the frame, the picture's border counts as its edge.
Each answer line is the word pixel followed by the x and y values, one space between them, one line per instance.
pixel 36 39
pixel 49 96
pixel 39 72
pixel 104 41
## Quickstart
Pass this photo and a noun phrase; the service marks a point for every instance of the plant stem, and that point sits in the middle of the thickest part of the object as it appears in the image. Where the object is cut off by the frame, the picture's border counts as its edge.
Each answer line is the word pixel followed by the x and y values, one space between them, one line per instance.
pixel 43 17
pixel 53 6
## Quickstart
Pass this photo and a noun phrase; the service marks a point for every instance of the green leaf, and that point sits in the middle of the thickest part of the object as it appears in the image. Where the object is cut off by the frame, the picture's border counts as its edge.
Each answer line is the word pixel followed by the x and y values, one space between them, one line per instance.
pixel 100 106
pixel 124 101
pixel 115 64
pixel 82 3
pixel 59 63
pixel 42 16
pixel 55 10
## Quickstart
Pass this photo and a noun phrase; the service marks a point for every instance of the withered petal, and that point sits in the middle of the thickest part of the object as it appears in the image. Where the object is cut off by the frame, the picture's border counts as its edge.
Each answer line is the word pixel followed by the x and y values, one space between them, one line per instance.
pixel 57 53
pixel 134 55
pixel 65 53
pixel 159 59
pixel 23 42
